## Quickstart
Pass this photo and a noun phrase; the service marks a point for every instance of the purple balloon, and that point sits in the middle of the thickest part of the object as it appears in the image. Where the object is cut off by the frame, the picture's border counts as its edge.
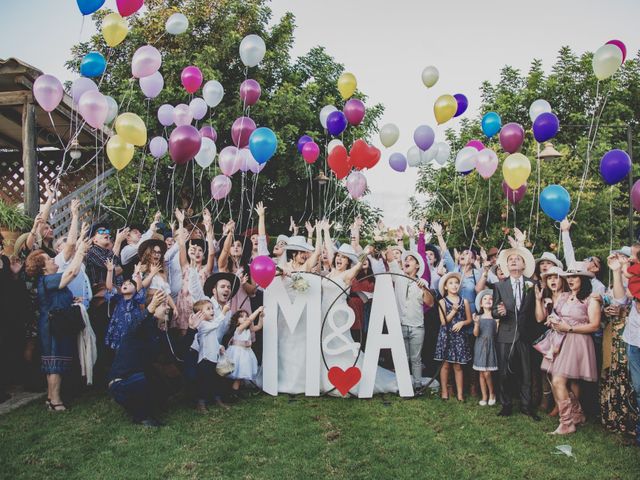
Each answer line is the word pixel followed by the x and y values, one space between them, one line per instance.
pixel 209 132
pixel 184 143
pixel 302 140
pixel 398 162
pixel 241 130
pixel 152 85
pixel 250 92
pixel 48 92
pixel 80 86
pixel 463 103
pixel 354 111
pixel 514 196
pixel 158 147
pixel 165 115
pixel 424 137
pixel 336 123
pixel 511 137
pixel 635 195
pixel 545 127
pixel 615 166
pixel 220 187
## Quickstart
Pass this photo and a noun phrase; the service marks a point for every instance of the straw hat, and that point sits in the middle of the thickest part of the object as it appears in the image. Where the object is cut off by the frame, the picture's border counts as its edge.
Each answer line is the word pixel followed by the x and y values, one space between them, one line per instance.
pixel 483 293
pixel 578 269
pixel 419 259
pixel 529 261
pixel 299 244
pixel 444 278
pixel 549 257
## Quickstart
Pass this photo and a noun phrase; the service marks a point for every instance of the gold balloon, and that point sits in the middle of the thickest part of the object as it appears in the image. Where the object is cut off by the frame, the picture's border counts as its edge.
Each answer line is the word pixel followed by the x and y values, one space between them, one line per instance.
pixel 131 128
pixel 445 108
pixel 347 85
pixel 114 29
pixel 119 152
pixel 516 170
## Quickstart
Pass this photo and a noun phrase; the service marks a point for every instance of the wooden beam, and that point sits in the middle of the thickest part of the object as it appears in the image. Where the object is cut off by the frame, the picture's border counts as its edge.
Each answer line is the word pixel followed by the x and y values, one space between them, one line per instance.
pixel 29 160
pixel 11 141
pixel 17 97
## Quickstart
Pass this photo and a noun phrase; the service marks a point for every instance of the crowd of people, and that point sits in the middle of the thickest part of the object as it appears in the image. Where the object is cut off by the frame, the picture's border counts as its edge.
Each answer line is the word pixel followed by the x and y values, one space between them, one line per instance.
pixel 148 312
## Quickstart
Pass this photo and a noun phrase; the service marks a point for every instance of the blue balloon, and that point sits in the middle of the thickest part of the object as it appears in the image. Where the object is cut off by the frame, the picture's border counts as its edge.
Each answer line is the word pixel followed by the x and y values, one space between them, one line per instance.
pixel 491 124
pixel 302 140
pixel 463 103
pixel 263 144
pixel 555 202
pixel 93 65
pixel 87 7
pixel 615 166
pixel 336 123
pixel 545 127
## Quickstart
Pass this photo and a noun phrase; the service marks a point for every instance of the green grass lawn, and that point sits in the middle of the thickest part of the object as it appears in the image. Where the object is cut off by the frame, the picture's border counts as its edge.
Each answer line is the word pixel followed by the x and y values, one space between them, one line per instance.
pixel 267 437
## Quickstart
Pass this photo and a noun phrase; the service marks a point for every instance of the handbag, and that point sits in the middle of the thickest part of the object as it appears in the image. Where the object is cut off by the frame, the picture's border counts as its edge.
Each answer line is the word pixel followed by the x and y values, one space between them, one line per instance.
pixel 225 365
pixel 549 343
pixel 66 321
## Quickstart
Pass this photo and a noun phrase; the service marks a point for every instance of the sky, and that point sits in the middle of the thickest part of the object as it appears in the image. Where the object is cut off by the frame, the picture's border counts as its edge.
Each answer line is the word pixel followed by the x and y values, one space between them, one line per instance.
pixel 386 45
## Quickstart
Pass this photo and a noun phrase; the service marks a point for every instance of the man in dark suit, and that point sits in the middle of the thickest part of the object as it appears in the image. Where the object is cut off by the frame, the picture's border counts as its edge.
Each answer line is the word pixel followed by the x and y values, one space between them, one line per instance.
pixel 514 306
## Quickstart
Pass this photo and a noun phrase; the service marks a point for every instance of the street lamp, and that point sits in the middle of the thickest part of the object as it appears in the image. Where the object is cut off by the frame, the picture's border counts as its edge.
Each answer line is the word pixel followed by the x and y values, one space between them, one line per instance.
pixel 549 153
pixel 322 180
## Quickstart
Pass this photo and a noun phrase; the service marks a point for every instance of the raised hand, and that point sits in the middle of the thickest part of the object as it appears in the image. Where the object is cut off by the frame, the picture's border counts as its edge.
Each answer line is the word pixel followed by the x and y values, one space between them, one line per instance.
pixel 196 319
pixel 260 209
pixel 538 293
pixel 109 264
pixel 50 192
pixel 437 229
pixel 122 234
pixel 519 236
pixel 292 224
pixel 84 230
pixel 309 227
pixel 614 263
pixel 410 231
pixel 75 207
pixel 421 225
pixel 179 215
pixel 158 299
pixel 565 225
pixel 156 219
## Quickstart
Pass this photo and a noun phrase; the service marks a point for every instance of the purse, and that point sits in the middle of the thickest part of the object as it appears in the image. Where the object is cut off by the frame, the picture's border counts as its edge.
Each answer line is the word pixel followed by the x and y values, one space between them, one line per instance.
pixel 66 321
pixel 225 365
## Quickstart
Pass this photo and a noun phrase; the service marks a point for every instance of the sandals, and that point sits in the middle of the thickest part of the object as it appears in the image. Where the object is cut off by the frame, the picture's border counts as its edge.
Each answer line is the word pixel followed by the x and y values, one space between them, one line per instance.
pixel 56 407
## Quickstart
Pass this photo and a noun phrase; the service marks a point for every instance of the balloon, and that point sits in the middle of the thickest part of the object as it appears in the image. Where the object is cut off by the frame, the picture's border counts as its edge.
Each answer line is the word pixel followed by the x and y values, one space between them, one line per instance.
pixel 310 152
pixel 114 29
pixel 247 162
pixel 207 152
pixel 241 131
pixel 516 170
pixel 146 61
pixel 354 111
pixel 176 24
pixel 252 50
pixel 324 114
pixel 606 61
pixel 158 146
pixel 537 107
pixel 263 144
pixel 94 108
pixel 209 132
pixel 336 123
pixel 372 157
pixel 414 156
pixel 347 85
pixel 165 115
pixel 131 128
pixel 184 143
pixel 263 270
pixel 87 7
pixel 545 127
pixel 302 140
pixel 491 123
pixel 250 92
pixel 220 187
pixel 430 76
pixel 93 64
pixel 398 162
pixel 423 137
pixel 113 109
pixel 389 134
pixel 338 162
pixel 48 92
pixel 445 108
pixel 477 144
pixel 466 159
pixel 486 163
pixel 635 196
pixel 555 202
pixel 463 103
pixel 511 137
pixel 357 184
pixel 333 144
pixel 198 108
pixel 79 87
pixel 128 7
pixel 119 152
pixel 621 46
pixel 428 155
pixel 152 85
pixel 182 115
pixel 443 153
pixel 363 155
pixel 212 92
pixel 514 196
pixel 191 78
pixel 615 165
pixel 227 160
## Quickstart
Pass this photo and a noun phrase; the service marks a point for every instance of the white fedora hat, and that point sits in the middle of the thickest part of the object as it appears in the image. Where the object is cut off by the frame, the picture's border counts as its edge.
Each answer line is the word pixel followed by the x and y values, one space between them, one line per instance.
pixel 529 261
pixel 299 244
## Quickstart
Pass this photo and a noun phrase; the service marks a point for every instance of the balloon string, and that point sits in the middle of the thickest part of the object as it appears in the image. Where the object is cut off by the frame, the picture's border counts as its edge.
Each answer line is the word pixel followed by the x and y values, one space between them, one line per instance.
pixel 486 225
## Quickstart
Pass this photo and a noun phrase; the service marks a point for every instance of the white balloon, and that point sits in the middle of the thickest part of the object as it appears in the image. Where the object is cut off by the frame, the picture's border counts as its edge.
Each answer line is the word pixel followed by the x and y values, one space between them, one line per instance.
pixel 213 93
pixel 176 24
pixel 324 113
pixel 182 115
pixel 430 76
pixel 207 153
pixel 152 85
pixel 443 153
pixel 198 108
pixel 333 144
pixel 429 154
pixel 538 107
pixel 414 156
pixel 389 134
pixel 252 50
pixel 466 159
pixel 113 109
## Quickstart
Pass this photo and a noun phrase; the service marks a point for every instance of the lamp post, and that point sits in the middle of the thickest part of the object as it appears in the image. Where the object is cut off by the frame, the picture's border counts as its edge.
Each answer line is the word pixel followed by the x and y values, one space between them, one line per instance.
pixel 322 180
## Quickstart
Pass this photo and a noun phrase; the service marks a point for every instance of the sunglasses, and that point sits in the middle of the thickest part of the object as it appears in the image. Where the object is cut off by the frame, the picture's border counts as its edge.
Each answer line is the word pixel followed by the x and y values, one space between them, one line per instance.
pixel 103 231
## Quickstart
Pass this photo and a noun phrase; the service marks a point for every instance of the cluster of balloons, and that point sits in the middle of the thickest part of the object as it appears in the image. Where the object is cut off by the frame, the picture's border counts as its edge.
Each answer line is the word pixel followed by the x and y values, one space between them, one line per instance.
pixel 130 131
pixel 309 149
pixel 447 107
pixel 608 59
pixel 361 156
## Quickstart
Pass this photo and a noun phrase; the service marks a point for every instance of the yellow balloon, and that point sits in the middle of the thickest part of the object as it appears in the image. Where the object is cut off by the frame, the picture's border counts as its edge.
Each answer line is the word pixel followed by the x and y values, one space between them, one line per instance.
pixel 445 108
pixel 131 128
pixel 516 170
pixel 347 84
pixel 114 29
pixel 119 152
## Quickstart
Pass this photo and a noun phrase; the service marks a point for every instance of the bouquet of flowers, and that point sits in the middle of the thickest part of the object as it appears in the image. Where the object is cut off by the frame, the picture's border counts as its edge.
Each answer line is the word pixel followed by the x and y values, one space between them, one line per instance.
pixel 299 283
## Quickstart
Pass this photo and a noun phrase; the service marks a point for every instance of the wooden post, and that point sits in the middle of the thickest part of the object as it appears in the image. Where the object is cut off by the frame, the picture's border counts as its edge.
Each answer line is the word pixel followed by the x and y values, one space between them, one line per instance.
pixel 29 160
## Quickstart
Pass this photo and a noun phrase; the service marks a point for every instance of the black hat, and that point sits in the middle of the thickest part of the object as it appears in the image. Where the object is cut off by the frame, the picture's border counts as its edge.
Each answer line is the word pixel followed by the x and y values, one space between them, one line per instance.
pixel 430 247
pixel 211 282
pixel 198 242
pixel 152 242
pixel 96 226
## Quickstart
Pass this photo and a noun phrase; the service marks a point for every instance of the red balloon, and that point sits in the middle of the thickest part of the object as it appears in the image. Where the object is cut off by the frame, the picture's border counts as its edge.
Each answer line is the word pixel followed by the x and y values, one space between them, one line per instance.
pixel 184 143
pixel 338 162
pixel 263 270
pixel 373 156
pixel 359 154
pixel 128 7
pixel 514 196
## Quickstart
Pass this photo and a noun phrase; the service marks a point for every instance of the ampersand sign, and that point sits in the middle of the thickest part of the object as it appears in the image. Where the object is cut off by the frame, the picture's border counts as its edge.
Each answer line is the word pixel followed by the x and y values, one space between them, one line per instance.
pixel 337 332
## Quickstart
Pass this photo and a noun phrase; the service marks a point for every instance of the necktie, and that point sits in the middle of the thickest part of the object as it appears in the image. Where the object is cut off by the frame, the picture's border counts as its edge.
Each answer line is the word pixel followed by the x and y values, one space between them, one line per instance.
pixel 518 295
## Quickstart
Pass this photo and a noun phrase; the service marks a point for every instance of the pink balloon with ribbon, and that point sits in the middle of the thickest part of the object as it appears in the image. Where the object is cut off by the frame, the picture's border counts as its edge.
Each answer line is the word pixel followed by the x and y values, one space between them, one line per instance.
pixel 263 270
pixel 94 108
pixel 220 187
pixel 486 163
pixel 250 92
pixel 191 78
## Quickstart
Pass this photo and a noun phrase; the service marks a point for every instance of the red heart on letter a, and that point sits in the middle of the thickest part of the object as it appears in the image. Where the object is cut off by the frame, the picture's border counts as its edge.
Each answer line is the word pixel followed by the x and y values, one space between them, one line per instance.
pixel 344 380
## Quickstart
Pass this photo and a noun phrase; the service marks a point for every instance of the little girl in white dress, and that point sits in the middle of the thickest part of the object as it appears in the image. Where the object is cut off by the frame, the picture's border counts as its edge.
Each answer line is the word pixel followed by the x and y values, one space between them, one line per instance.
pixel 243 329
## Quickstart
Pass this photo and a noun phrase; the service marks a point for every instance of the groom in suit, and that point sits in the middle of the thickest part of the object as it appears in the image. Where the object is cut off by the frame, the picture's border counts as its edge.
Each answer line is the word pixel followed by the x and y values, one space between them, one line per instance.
pixel 514 306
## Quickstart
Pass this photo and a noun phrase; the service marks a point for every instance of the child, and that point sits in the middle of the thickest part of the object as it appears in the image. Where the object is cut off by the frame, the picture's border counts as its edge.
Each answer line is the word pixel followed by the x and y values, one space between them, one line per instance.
pixel 129 305
pixel 453 346
pixel 243 330
pixel 485 359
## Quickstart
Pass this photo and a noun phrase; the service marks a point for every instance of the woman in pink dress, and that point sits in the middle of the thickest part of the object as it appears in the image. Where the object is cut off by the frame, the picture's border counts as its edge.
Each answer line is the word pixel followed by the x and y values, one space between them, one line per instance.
pixel 577 314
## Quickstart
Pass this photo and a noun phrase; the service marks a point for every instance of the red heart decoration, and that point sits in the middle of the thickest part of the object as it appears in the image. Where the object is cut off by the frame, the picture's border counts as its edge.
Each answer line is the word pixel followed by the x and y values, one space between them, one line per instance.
pixel 359 154
pixel 338 162
pixel 344 380
pixel 373 156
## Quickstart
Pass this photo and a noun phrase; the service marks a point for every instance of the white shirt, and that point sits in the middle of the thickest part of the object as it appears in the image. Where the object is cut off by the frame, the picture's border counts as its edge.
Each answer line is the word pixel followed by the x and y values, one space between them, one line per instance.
pixel 377 264
pixel 408 298
pixel 631 334
pixel 129 251
pixel 210 333
pixel 80 286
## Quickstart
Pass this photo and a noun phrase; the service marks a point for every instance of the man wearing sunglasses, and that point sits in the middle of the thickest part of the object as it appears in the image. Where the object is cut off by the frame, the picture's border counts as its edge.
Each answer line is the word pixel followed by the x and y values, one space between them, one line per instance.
pixel 102 249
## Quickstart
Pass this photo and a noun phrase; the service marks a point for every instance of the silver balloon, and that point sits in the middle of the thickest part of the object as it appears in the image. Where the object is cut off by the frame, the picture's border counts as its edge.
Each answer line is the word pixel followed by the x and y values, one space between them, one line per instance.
pixel 113 109
pixel 414 156
pixel 252 50
pixel 429 154
pixel 212 92
pixel 176 24
pixel 443 153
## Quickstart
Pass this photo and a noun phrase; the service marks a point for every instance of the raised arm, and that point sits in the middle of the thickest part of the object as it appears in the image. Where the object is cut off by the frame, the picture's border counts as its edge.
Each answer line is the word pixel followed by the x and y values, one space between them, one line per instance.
pixel 444 251
pixel 226 248
pixel 72 236
pixel 541 312
pixel 350 274
pixel 51 197
pixel 211 242
pixel 328 243
pixel 313 258
pixel 74 268
pixel 255 328
pixel 355 234
pixel 616 272
pixel 109 278
pixel 567 245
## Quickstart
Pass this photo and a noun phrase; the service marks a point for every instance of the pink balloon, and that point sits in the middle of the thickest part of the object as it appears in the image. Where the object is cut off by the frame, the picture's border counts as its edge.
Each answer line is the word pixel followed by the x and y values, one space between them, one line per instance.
pixel 621 46
pixel 94 108
pixel 209 132
pixel 514 196
pixel 486 163
pixel 354 111
pixel 191 78
pixel 146 61
pixel 228 160
pixel 241 130
pixel 250 92
pixel 182 115
pixel 220 187
pixel 511 137
pixel 165 115
pixel 310 152
pixel 128 7
pixel 477 144
pixel 80 86
pixel 48 92
pixel 152 85
pixel 263 270
pixel 635 195
pixel 184 143
pixel 356 184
